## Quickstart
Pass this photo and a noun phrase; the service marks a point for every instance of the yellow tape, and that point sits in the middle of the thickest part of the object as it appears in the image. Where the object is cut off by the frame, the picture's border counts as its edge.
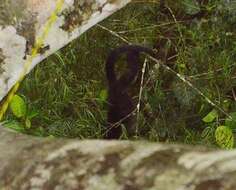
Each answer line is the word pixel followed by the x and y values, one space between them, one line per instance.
pixel 39 42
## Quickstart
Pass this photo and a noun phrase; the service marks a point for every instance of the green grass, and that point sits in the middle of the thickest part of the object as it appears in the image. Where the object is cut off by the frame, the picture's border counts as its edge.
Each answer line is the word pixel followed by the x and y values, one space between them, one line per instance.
pixel 67 91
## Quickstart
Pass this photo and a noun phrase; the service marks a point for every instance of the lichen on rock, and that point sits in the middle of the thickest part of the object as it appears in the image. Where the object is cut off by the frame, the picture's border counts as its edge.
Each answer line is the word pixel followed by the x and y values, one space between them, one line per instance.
pixel 23 21
pixel 79 13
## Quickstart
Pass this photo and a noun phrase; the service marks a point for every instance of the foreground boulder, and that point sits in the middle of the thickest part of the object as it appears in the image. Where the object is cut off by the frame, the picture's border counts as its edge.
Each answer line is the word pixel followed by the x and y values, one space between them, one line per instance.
pixel 44 163
pixel 50 24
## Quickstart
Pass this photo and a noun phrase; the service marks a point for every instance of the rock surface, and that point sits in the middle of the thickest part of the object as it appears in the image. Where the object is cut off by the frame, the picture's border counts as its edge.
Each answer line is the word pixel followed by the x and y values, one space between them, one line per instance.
pixel 45 163
pixel 25 22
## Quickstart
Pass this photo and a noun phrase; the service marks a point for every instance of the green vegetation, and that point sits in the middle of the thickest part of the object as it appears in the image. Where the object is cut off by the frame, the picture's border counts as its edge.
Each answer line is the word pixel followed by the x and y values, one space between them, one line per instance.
pixel 195 103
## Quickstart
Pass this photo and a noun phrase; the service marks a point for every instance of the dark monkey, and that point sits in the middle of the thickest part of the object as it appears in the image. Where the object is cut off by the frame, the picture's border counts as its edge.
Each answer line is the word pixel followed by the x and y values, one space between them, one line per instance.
pixel 120 105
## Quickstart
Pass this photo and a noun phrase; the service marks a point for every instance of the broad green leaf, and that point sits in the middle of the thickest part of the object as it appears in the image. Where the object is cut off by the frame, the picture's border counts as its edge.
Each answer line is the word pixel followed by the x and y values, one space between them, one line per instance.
pixel 18 106
pixel 103 95
pixel 211 116
pixel 231 122
pixel 224 137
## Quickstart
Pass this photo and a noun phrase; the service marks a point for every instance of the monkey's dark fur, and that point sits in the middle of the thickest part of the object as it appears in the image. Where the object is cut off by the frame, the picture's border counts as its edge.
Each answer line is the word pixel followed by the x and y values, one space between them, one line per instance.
pixel 120 104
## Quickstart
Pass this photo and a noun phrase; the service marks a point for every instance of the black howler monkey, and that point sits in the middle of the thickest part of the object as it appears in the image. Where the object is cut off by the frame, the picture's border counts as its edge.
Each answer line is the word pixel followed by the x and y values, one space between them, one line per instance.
pixel 120 105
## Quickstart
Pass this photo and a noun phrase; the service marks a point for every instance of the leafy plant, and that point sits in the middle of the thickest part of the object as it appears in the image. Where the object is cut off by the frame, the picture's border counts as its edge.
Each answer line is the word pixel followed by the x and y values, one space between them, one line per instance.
pixel 223 133
pixel 103 95
pixel 211 116
pixel 231 122
pixel 23 115
pixel 224 137
pixel 18 106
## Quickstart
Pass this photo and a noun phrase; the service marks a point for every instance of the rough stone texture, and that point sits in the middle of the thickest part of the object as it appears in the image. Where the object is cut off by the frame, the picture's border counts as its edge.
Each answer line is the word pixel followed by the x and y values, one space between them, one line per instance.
pixel 22 22
pixel 31 163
